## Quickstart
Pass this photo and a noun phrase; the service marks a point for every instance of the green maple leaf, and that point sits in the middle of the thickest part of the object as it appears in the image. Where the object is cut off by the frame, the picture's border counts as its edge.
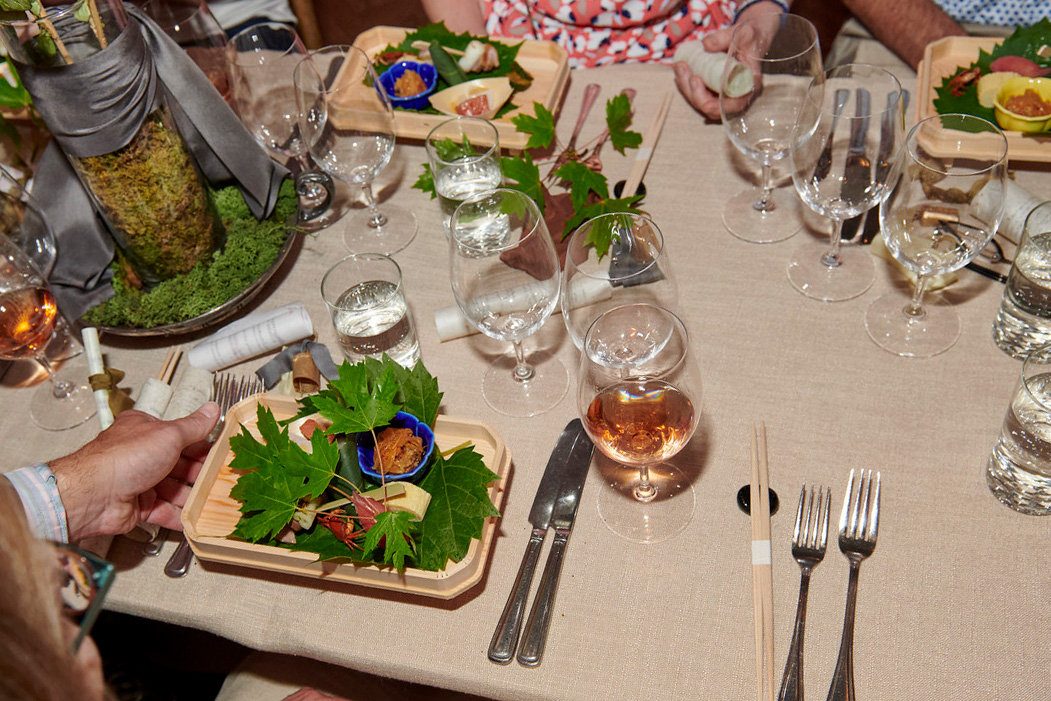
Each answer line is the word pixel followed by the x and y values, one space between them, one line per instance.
pixel 1025 41
pixel 418 392
pixel 608 206
pixel 583 181
pixel 541 128
pixel 394 525
pixel 368 398
pixel 525 176
pixel 459 505
pixel 618 119
pixel 13 96
pixel 323 543
pixel 425 182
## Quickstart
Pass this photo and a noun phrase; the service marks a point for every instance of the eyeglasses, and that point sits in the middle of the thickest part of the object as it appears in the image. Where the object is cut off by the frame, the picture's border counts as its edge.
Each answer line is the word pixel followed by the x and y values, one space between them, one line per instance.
pixel 84 580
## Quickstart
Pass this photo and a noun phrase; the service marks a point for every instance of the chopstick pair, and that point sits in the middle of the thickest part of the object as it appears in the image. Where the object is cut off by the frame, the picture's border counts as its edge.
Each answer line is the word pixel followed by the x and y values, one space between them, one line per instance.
pixel 649 142
pixel 762 572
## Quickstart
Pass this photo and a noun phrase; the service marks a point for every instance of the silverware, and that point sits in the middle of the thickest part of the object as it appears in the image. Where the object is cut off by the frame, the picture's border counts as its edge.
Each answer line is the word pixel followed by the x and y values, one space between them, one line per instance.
pixel 227 390
pixel 858 528
pixel 594 159
pixel 883 164
pixel 824 161
pixel 565 510
pixel 591 93
pixel 857 176
pixel 568 448
pixel 808 548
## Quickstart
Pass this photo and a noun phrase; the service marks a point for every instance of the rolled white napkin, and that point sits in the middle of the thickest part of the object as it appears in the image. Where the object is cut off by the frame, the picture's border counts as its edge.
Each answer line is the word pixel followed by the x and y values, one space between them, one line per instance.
pixel 193 389
pixel 252 336
pixel 154 397
pixel 711 66
pixel 93 352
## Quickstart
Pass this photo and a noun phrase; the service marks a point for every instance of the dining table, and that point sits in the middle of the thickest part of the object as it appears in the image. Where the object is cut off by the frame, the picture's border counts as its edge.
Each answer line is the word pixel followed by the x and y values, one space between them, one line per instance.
pixel 952 604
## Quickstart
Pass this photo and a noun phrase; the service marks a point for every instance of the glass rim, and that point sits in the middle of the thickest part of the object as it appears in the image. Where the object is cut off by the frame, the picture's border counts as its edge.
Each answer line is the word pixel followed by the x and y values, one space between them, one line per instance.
pixel 676 321
pixel 822 81
pixel 912 141
pixel 460 119
pixel 538 220
pixel 319 85
pixel 1025 226
pixel 646 268
pixel 297 42
pixel 356 257
pixel 781 19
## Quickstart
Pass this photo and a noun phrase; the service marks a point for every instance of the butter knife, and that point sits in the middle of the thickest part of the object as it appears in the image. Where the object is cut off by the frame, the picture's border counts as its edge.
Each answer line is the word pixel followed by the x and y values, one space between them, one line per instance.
pixel 565 511
pixel 857 176
pixel 569 448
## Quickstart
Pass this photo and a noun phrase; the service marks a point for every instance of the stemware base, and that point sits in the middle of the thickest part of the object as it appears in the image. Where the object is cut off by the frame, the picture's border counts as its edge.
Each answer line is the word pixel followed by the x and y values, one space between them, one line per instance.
pixel 895 331
pixel 654 521
pixel 808 272
pixel 397 231
pixel 747 223
pixel 54 413
pixel 512 397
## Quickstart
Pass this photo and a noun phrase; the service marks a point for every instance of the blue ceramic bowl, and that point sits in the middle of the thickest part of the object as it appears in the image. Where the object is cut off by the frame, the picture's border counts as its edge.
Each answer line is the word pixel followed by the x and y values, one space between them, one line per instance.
pixel 413 102
pixel 366 449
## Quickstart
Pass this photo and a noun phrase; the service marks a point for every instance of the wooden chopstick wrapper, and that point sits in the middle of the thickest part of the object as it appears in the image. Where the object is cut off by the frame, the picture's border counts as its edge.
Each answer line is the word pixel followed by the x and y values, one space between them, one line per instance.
pixel 649 142
pixel 762 571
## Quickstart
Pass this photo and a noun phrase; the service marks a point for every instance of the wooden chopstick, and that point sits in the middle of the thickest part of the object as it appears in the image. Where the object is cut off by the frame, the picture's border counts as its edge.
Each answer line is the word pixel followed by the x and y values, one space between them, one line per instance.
pixel 649 142
pixel 170 362
pixel 762 572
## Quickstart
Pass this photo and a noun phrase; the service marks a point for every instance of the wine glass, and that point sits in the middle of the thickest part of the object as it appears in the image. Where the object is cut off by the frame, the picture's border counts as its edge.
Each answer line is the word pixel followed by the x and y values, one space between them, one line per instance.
pixel 193 27
pixel 505 277
pixel 348 126
pixel 847 143
pixel 264 57
pixel 773 58
pixel 611 260
pixel 944 210
pixel 27 320
pixel 639 395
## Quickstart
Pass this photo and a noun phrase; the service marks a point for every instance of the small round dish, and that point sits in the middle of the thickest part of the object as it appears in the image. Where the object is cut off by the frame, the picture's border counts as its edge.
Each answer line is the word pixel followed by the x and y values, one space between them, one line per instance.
pixel 366 450
pixel 1018 122
pixel 426 71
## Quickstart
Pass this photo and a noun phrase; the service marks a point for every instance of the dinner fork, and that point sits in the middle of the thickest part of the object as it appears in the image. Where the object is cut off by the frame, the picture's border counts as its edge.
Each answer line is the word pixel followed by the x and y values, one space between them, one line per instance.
pixel 227 390
pixel 808 548
pixel 858 528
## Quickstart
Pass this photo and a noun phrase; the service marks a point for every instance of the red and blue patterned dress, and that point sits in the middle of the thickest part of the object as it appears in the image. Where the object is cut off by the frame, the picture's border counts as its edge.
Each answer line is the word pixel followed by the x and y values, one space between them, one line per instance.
pixel 600 32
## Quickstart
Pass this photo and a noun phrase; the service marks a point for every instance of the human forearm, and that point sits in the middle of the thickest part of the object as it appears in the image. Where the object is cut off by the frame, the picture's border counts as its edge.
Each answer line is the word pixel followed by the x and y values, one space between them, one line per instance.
pixel 905 27
pixel 458 15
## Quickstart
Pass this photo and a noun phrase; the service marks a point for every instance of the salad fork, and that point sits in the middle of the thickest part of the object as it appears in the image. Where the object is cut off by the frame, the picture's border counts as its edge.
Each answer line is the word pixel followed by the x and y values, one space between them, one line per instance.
pixel 858 528
pixel 227 390
pixel 808 548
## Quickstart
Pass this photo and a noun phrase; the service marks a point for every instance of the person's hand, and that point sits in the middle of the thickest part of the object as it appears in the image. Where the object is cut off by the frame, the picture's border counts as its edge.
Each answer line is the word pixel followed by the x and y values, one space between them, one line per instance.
pixel 306 694
pixel 139 469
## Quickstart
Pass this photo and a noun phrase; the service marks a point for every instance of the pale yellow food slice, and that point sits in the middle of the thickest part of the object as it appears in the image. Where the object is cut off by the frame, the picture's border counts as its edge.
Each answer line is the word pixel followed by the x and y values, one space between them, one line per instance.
pixel 990 84
pixel 403 496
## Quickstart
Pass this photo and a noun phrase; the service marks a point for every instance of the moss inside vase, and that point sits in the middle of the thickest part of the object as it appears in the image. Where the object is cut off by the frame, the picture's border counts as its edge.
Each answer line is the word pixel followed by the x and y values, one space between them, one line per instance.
pixel 157 205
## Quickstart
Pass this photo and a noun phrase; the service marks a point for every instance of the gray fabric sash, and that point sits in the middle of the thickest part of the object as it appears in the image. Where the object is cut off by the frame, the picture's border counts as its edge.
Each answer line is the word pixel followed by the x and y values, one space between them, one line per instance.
pixel 116 89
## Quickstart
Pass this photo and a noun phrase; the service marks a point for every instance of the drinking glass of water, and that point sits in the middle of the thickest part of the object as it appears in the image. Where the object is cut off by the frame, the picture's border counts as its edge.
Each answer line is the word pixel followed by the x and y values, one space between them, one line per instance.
pixel 365 298
pixel 464 154
pixel 1024 321
pixel 1019 470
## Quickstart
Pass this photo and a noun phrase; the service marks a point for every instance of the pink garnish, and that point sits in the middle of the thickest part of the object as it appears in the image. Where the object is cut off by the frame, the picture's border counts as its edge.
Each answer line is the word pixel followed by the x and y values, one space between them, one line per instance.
pixel 1020 65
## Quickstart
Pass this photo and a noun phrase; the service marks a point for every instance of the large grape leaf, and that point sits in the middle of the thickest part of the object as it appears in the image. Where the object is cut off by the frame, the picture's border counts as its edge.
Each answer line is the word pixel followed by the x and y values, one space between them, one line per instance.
pixel 394 526
pixel 1025 41
pixel 525 177
pixel 594 209
pixel 618 119
pixel 583 181
pixel 541 128
pixel 418 392
pixel 459 505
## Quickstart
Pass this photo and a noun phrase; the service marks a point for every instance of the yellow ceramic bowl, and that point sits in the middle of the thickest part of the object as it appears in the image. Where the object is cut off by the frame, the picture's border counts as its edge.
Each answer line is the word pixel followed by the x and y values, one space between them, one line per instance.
pixel 1014 121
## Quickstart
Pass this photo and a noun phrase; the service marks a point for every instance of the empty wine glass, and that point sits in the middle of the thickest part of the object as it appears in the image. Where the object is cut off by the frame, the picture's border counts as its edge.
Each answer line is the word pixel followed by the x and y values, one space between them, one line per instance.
pixel 27 321
pixel 773 58
pixel 348 126
pixel 945 208
pixel 193 27
pixel 639 397
pixel 264 58
pixel 611 260
pixel 505 277
pixel 847 143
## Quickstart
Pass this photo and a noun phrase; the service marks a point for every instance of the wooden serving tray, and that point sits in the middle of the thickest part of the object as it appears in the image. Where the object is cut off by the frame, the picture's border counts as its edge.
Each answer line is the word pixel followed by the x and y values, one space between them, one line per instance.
pixel 210 514
pixel 942 58
pixel 546 61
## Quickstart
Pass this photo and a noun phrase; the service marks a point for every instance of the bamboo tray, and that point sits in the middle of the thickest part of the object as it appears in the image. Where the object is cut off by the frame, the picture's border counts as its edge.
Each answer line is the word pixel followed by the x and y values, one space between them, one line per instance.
pixel 210 514
pixel 942 58
pixel 546 61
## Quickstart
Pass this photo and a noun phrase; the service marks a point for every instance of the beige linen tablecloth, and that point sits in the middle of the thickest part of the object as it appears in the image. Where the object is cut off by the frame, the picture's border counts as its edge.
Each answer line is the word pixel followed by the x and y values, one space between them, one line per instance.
pixel 952 605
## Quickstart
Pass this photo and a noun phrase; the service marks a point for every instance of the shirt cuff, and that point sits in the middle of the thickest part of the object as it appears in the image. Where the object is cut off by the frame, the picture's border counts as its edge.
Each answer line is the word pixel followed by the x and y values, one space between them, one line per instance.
pixel 37 487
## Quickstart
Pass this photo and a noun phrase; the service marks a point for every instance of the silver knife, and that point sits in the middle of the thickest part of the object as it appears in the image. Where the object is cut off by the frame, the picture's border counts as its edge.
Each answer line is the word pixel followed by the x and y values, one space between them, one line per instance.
pixel 505 638
pixel 565 511
pixel 883 164
pixel 824 160
pixel 857 174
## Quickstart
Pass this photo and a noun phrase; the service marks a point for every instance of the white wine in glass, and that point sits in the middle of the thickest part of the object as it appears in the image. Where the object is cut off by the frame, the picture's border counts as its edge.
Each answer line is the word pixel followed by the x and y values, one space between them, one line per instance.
pixel 639 397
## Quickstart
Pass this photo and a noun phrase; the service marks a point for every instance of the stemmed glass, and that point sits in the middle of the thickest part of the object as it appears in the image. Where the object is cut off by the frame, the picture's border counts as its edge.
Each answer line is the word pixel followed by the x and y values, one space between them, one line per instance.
pixel 639 396
pixel 773 60
pixel 944 210
pixel 27 321
pixel 505 277
pixel 348 126
pixel 264 58
pixel 611 260
pixel 847 143
pixel 193 27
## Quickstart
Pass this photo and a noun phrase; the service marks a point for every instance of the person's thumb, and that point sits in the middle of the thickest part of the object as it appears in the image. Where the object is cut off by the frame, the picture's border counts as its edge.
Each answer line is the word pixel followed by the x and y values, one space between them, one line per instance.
pixel 200 423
